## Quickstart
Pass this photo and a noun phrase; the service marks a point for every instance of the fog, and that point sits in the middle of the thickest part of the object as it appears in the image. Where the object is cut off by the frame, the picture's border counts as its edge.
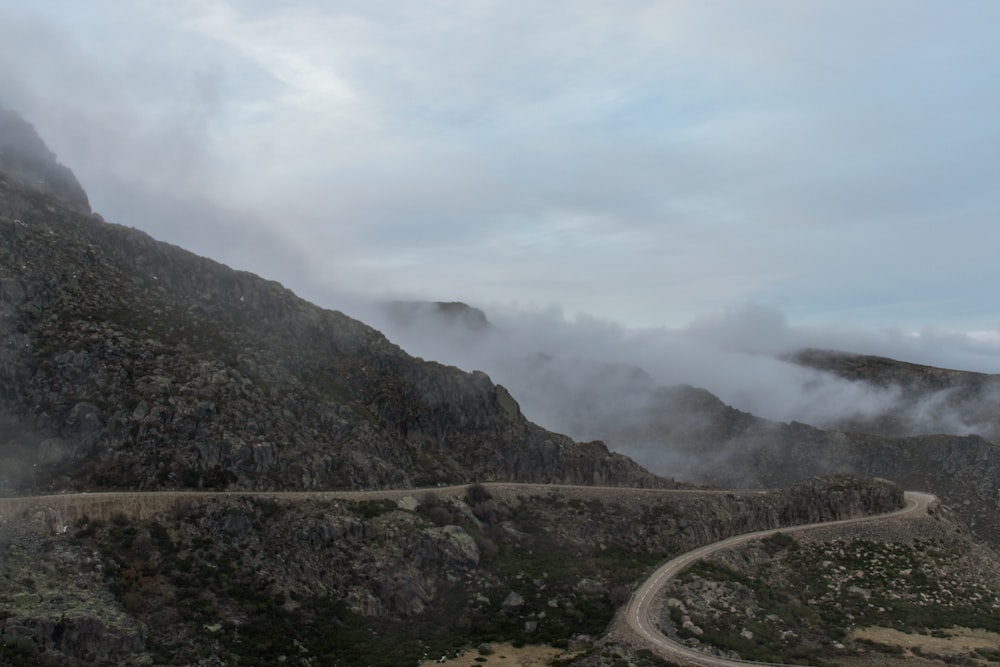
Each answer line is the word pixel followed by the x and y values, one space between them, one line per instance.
pixel 576 352
pixel 735 354
pixel 590 377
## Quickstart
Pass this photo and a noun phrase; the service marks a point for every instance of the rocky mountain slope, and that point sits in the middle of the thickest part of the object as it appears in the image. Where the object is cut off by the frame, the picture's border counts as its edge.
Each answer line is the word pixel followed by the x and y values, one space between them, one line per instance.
pixel 131 363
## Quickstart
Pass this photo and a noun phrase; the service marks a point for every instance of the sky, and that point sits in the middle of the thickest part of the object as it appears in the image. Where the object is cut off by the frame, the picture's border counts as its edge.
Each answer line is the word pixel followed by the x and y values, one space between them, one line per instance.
pixel 784 168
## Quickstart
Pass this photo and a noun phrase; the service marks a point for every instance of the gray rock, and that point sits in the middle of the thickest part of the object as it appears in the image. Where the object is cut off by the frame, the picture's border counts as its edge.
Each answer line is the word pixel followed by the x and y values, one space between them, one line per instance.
pixel 589 587
pixel 408 503
pixel 451 547
pixel 403 595
pixel 858 590
pixel 512 604
pixel 238 525
pixel 83 428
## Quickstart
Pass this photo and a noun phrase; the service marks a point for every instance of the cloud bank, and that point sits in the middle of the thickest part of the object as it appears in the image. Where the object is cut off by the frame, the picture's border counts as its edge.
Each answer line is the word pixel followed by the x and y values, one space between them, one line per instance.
pixel 646 162
pixel 595 379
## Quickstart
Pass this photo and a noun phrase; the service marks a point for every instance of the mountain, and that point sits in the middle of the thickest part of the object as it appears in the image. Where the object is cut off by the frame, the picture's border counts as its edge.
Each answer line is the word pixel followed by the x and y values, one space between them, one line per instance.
pixel 130 363
pixel 452 313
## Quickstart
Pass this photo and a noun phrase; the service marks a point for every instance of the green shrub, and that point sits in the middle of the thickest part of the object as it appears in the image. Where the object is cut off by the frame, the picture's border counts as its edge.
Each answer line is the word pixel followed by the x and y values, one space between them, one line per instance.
pixel 778 542
pixel 369 509
pixel 477 493
pixel 713 571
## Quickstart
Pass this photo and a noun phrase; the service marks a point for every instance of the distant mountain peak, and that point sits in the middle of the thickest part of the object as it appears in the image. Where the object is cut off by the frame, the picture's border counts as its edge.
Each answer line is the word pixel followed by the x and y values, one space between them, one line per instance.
pixel 26 161
pixel 450 312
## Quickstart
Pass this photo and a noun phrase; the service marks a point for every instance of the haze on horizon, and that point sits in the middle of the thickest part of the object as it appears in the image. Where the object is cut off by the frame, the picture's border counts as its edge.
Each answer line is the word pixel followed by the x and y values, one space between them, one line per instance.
pixel 759 174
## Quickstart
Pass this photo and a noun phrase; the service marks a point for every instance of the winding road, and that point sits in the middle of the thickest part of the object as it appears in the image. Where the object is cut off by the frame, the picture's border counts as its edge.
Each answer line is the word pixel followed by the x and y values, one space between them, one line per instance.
pixel 644 601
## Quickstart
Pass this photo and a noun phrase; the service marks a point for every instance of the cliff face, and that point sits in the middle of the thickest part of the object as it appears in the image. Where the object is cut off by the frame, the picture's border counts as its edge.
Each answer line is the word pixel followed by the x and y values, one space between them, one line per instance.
pixel 132 363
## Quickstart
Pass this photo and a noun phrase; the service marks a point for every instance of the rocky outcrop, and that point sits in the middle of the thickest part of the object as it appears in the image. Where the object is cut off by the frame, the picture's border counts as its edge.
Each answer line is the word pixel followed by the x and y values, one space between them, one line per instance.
pixel 55 608
pixel 25 160
pixel 449 547
pixel 512 604
pixel 85 638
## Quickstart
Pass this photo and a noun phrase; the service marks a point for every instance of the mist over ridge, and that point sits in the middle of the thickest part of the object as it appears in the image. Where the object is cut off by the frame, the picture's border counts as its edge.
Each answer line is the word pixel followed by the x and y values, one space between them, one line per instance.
pixel 592 378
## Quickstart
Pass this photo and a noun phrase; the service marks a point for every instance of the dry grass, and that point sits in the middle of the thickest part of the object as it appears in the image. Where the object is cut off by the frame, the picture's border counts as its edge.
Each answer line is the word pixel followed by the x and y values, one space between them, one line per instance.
pixel 506 655
pixel 950 643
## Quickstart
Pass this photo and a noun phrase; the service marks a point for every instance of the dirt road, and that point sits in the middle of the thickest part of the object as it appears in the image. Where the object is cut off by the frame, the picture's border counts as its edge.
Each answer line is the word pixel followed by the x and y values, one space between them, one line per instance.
pixel 644 602
pixel 145 504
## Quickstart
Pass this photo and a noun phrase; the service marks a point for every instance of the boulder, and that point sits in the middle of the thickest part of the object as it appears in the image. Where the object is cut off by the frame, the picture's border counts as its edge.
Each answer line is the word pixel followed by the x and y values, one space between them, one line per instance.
pixel 512 604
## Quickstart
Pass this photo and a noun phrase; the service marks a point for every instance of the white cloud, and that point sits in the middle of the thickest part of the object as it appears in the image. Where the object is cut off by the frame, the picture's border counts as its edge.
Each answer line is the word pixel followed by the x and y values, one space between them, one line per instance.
pixel 646 161
pixel 594 378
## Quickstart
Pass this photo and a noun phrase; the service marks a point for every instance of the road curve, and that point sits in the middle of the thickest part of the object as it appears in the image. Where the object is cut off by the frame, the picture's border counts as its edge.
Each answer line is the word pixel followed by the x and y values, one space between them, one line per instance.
pixel 641 605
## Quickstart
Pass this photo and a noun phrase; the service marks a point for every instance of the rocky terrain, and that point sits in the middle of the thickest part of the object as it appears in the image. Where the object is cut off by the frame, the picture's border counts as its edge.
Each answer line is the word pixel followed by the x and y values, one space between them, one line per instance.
pixel 819 596
pixel 28 164
pixel 245 581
